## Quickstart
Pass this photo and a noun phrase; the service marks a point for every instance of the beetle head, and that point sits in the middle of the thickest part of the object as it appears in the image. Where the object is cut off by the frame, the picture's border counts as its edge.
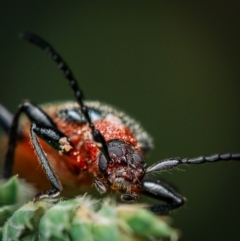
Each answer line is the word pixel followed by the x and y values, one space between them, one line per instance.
pixel 125 170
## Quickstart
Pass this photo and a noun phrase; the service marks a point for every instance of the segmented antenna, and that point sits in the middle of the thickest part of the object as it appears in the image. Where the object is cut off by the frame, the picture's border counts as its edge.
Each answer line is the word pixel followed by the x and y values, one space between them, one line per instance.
pixel 171 163
pixel 97 136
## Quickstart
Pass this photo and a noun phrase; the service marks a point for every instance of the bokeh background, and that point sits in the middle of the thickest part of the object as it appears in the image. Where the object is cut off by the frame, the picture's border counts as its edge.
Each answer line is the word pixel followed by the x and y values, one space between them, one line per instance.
pixel 173 66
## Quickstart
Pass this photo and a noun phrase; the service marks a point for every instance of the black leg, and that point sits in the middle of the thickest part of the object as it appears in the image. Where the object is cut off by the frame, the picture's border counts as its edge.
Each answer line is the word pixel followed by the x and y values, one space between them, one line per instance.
pixel 53 138
pixel 162 192
pixel 36 115
pixel 171 163
pixel 44 128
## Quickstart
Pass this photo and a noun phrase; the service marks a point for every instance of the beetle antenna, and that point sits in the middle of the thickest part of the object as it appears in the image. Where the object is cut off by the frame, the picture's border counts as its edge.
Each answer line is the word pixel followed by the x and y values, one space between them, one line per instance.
pixel 97 136
pixel 171 163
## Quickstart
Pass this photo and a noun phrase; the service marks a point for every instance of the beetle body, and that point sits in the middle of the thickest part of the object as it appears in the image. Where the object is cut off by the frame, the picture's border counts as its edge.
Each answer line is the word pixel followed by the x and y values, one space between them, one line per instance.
pixel 77 170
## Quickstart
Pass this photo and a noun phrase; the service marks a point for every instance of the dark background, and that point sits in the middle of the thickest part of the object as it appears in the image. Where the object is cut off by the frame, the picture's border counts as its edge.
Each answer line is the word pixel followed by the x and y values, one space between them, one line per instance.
pixel 173 66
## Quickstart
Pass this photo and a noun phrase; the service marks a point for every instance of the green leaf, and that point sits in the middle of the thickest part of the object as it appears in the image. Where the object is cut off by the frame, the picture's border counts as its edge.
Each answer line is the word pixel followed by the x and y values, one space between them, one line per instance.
pixel 9 191
pixel 76 219
pixel 24 222
pixel 145 223
pixel 6 212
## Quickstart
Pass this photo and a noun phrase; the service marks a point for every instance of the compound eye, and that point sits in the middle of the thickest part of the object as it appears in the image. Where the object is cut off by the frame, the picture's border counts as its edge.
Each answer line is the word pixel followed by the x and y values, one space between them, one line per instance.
pixel 137 158
pixel 115 150
pixel 102 165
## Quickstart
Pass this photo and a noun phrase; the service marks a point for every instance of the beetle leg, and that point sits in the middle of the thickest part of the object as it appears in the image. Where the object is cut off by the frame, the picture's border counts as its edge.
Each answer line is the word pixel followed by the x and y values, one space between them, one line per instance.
pixel 163 192
pixel 52 137
pixel 36 115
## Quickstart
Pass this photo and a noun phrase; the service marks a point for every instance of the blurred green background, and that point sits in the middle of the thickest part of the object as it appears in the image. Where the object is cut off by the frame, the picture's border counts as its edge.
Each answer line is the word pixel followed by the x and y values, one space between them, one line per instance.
pixel 173 66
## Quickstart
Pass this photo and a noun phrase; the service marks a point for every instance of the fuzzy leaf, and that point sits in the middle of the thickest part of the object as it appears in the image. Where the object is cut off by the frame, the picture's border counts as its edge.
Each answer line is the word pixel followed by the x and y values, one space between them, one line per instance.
pixel 9 191
pixel 76 219
pixel 145 223
pixel 24 222
pixel 56 222
pixel 5 212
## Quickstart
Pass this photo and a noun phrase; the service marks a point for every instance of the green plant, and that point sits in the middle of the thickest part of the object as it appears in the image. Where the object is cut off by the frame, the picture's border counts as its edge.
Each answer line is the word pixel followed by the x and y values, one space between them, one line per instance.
pixel 82 218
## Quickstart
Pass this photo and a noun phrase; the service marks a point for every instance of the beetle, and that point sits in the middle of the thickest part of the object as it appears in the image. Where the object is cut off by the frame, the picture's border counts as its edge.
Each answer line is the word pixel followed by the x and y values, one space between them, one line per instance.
pixel 86 142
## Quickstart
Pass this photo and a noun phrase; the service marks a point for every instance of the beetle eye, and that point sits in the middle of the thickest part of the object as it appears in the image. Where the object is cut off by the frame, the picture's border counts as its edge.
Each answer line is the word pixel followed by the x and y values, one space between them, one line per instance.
pixel 115 150
pixel 137 158
pixel 102 164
